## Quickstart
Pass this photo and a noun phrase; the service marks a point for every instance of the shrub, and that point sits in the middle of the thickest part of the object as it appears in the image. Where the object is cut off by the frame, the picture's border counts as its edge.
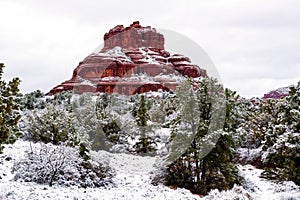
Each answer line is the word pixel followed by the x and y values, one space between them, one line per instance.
pixel 52 125
pixel 50 164
pixel 9 115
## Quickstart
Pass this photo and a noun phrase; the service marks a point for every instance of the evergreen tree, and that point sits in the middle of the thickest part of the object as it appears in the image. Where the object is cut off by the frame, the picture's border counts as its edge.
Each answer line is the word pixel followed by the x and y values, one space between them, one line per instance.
pixel 141 115
pixel 9 115
pixel 218 171
pixel 157 113
pixel 102 103
pixel 282 146
pixel 112 131
pixel 145 142
pixel 32 100
pixel 89 121
pixel 274 125
pixel 244 113
pixel 207 163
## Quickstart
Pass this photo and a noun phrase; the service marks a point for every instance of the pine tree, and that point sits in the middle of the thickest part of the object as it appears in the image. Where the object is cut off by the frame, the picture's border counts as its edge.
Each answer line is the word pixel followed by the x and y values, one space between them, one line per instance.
pixel 142 116
pixel 112 131
pixel 184 126
pixel 219 171
pixel 9 115
pixel 102 103
pixel 274 125
pixel 145 142
pixel 207 163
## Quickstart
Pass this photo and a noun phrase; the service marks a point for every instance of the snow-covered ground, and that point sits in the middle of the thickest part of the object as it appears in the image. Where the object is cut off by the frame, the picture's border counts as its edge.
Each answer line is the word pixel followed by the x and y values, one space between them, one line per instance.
pixel 261 188
pixel 132 181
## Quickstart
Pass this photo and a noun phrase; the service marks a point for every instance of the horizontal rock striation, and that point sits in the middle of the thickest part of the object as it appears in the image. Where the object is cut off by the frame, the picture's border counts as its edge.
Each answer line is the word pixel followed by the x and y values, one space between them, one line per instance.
pixel 133 60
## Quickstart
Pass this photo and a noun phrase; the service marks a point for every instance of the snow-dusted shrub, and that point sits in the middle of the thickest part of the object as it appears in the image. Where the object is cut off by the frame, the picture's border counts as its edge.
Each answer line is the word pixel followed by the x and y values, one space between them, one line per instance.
pixel 205 124
pixel 90 120
pixel 273 125
pixel 32 100
pixel 50 164
pixel 51 125
pixel 282 145
pixel 237 192
pixel 9 110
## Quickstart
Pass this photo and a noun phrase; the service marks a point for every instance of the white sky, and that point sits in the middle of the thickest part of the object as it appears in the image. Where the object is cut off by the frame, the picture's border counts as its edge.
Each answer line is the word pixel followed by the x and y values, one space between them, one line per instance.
pixel 254 44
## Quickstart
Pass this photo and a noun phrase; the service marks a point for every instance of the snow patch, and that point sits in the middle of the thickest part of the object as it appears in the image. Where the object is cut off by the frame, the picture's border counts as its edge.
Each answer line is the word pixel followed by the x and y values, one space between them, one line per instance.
pixel 262 189
pixel 132 180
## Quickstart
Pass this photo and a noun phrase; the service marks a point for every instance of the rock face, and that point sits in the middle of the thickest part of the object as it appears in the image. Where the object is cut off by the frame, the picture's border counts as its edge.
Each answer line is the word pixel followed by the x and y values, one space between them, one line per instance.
pixel 133 37
pixel 278 93
pixel 133 60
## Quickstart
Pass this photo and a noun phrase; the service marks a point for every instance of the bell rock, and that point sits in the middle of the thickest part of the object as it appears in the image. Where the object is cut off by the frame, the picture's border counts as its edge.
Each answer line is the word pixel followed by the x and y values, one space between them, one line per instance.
pixel 132 60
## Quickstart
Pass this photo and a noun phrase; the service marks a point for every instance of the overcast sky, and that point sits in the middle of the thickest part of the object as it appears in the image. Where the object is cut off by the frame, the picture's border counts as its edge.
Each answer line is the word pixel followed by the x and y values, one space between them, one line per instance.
pixel 254 44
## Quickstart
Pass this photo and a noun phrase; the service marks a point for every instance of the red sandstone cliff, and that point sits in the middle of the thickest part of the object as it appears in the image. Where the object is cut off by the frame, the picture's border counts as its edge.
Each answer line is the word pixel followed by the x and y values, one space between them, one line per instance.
pixel 278 93
pixel 133 37
pixel 133 60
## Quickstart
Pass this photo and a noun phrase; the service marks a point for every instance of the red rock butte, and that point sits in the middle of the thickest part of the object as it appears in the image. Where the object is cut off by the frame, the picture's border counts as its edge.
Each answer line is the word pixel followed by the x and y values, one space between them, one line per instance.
pixel 133 60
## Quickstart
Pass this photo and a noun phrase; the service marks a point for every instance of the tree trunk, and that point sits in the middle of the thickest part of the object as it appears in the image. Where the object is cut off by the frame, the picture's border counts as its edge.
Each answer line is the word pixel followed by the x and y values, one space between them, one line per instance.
pixel 52 178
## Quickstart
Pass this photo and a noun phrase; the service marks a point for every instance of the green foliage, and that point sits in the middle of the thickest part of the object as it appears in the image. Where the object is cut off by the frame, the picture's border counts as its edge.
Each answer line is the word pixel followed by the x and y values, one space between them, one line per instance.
pixel 101 105
pixel 62 98
pixel 84 152
pixel 202 122
pixel 232 116
pixel 141 113
pixel 55 125
pixel 89 122
pixel 32 101
pixel 9 115
pixel 156 113
pixel 52 125
pixel 112 131
pixel 218 166
pixel 211 121
pixel 282 140
pixel 144 145
pixel 274 126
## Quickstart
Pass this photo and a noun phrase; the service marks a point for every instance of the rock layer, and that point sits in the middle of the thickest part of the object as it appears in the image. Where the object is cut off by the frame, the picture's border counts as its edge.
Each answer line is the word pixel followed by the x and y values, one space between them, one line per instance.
pixel 278 93
pixel 133 60
pixel 133 37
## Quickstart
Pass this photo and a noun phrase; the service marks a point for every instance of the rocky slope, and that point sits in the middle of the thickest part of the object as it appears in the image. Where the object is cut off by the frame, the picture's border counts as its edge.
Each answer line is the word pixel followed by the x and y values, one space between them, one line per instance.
pixel 278 93
pixel 133 60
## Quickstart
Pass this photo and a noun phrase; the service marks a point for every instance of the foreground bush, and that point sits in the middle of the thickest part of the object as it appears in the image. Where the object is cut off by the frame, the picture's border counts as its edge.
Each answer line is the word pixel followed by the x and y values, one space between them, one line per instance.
pixel 205 162
pixel 62 165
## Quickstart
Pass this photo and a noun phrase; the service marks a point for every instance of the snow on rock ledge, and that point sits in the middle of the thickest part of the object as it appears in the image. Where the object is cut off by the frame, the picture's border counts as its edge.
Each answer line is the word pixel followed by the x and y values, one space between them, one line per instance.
pixel 133 50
